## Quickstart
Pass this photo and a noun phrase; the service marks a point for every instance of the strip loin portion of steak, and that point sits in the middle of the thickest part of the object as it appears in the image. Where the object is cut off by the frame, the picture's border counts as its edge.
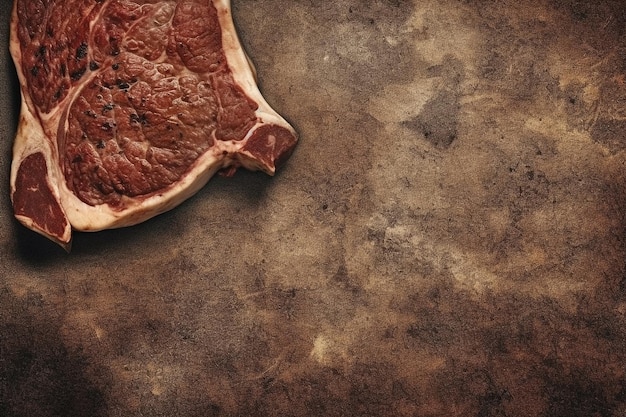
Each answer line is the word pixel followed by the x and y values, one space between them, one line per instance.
pixel 128 108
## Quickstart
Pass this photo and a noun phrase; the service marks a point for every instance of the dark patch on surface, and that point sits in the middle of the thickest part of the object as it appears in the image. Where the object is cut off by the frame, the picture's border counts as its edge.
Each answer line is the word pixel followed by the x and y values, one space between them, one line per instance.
pixel 39 374
pixel 437 123
pixel 367 390
pixel 608 125
pixel 600 27
pixel 601 23
pixel 344 280
pixel 610 133
pixel 513 60
pixel 536 363
pixel 349 37
pixel 438 120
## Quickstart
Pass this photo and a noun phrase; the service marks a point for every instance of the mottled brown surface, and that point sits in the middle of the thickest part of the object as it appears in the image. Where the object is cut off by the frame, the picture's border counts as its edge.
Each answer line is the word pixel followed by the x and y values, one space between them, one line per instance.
pixel 447 240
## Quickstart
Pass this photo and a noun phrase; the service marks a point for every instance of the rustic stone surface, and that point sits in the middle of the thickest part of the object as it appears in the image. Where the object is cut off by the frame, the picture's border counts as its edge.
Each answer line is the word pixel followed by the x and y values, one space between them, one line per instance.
pixel 447 240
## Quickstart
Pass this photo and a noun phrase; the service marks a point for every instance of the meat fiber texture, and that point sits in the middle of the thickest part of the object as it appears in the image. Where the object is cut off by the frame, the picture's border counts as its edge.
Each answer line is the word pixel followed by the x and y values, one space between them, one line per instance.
pixel 129 108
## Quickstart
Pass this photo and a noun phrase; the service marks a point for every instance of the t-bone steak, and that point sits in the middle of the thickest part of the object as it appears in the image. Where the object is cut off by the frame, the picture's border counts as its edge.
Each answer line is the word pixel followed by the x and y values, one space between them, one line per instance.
pixel 128 108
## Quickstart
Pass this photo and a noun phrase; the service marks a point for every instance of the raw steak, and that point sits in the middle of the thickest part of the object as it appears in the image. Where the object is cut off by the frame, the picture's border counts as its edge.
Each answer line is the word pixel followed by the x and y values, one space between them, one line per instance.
pixel 128 108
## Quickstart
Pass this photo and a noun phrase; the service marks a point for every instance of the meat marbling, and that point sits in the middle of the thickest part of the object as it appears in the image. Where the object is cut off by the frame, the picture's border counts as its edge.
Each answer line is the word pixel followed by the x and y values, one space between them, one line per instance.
pixel 128 108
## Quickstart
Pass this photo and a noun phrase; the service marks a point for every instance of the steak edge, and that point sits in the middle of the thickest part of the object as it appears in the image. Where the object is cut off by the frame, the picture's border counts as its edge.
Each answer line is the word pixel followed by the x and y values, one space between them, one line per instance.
pixel 129 108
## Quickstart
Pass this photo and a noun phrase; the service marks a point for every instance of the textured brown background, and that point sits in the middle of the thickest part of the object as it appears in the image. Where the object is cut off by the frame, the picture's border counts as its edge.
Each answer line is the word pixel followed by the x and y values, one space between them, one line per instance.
pixel 447 240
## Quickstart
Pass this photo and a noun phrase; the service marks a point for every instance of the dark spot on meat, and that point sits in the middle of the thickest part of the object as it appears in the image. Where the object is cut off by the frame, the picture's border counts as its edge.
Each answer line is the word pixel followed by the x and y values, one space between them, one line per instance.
pixel 123 85
pixel 34 71
pixel 76 75
pixel 115 66
pixel 63 70
pixel 93 65
pixel 91 113
pixel 77 159
pixel 104 189
pixel 108 126
pixel 81 51
pixel 58 94
pixel 41 51
pixel 107 107
pixel 100 144
pixel 136 118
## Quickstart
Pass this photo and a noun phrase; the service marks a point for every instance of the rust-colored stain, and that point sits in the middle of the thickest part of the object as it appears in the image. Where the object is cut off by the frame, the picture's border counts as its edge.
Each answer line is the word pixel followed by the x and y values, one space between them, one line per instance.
pixel 447 240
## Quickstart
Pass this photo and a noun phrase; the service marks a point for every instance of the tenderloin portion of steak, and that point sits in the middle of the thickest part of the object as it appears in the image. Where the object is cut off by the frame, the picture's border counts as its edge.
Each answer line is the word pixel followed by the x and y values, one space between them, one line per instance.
pixel 128 108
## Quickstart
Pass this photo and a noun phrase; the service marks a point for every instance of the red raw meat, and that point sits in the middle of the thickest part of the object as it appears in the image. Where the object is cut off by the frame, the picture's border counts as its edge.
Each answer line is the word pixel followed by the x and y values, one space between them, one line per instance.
pixel 129 108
